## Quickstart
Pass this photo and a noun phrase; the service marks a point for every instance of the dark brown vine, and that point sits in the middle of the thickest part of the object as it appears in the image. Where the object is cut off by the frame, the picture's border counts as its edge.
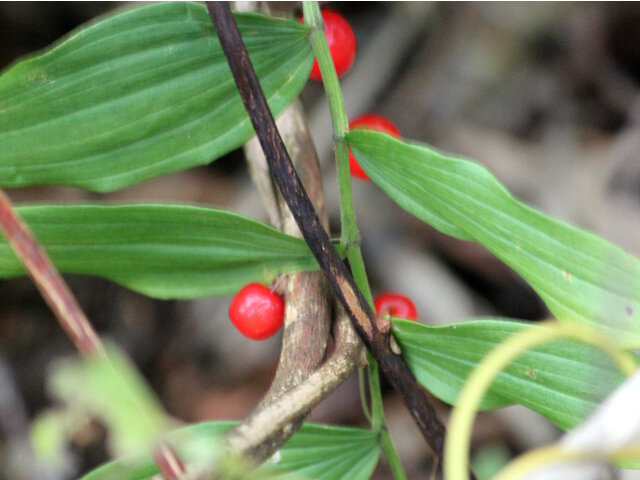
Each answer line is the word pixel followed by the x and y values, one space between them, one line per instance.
pixel 342 284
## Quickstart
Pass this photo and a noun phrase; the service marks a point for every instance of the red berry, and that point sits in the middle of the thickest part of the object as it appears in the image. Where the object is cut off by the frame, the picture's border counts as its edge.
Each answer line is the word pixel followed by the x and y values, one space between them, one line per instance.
pixel 257 312
pixel 372 122
pixel 342 44
pixel 396 305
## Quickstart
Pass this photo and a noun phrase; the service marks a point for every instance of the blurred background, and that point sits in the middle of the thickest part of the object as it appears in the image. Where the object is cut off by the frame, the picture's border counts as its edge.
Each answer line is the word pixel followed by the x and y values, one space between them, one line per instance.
pixel 546 95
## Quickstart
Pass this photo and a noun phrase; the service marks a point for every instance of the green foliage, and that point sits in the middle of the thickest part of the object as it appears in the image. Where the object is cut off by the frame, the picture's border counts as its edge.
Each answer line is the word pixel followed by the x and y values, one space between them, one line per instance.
pixel 137 95
pixel 109 387
pixel 563 380
pixel 164 251
pixel 330 453
pixel 317 452
pixel 581 277
pixel 148 92
pixel 489 460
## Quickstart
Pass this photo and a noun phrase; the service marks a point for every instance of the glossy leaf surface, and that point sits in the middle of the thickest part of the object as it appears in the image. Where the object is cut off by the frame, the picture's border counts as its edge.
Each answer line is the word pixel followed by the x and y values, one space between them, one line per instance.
pixel 137 95
pixel 580 276
pixel 563 380
pixel 164 251
pixel 315 452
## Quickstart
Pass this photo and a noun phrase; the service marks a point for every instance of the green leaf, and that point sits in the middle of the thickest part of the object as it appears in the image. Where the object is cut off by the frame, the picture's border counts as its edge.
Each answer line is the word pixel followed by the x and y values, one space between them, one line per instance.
pixel 329 453
pixel 164 251
pixel 50 431
pixel 137 95
pixel 580 276
pixel 563 380
pixel 110 388
pixel 316 452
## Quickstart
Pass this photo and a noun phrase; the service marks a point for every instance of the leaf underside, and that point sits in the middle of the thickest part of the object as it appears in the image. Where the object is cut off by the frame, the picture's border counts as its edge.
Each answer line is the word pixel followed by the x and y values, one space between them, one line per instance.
pixel 563 380
pixel 581 277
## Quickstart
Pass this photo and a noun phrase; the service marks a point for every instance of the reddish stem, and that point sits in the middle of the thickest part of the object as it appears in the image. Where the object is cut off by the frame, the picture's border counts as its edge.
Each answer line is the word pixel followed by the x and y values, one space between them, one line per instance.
pixel 168 462
pixel 65 307
pixel 51 285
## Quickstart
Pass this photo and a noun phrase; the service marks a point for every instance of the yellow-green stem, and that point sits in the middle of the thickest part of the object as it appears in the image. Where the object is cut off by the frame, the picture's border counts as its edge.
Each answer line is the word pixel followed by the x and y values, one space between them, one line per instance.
pixel 395 465
pixel 363 394
pixel 350 237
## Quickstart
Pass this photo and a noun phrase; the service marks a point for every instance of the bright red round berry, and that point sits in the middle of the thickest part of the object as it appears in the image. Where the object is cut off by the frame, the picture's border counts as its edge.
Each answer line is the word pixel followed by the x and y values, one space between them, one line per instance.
pixel 342 44
pixel 396 305
pixel 257 312
pixel 372 122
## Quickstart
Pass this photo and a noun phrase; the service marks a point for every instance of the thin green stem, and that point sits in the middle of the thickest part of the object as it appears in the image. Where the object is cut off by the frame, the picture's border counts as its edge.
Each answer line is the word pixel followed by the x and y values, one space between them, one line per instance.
pixel 363 394
pixel 350 237
pixel 313 18
pixel 375 391
pixel 395 465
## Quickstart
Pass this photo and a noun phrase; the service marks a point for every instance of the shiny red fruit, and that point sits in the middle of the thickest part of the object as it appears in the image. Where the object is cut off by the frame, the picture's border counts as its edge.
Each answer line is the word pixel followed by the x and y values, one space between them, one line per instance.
pixel 372 122
pixel 257 312
pixel 342 44
pixel 396 305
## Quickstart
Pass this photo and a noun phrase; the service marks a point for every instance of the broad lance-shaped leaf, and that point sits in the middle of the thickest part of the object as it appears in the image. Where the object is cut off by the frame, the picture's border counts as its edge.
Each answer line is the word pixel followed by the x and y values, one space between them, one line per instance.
pixel 137 95
pixel 580 276
pixel 315 452
pixel 563 380
pixel 165 251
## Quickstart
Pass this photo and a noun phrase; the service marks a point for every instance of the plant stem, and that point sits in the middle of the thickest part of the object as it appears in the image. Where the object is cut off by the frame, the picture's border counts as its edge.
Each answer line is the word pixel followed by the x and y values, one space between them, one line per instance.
pixel 64 305
pixel 350 237
pixel 340 279
pixel 51 285
pixel 377 408
pixel 313 18
pixel 395 465
pixel 363 394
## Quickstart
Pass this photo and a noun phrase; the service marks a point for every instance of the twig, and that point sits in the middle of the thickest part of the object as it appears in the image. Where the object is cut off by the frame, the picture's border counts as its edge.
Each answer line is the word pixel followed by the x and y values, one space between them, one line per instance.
pixel 308 310
pixel 51 285
pixel 255 433
pixel 64 305
pixel 341 282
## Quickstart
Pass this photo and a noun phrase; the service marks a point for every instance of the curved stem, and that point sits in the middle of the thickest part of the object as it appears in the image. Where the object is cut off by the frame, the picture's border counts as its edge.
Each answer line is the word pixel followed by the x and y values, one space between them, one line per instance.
pixel 456 450
pixel 340 279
